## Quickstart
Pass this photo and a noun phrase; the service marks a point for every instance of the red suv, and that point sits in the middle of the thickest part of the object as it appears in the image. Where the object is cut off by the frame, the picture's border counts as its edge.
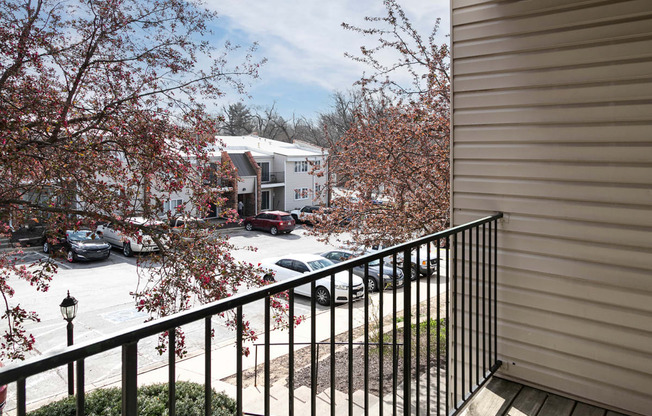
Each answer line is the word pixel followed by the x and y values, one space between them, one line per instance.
pixel 273 221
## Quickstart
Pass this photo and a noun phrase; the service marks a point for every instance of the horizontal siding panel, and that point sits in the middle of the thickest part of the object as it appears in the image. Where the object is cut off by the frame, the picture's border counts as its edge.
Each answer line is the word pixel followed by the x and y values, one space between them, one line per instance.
pixel 618 377
pixel 467 29
pixel 604 254
pixel 570 191
pixel 505 10
pixel 570 230
pixel 616 32
pixel 459 4
pixel 573 326
pixel 613 153
pixel 591 94
pixel 567 286
pixel 623 215
pixel 581 348
pixel 617 319
pixel 554 134
pixel 600 55
pixel 555 115
pixel 580 211
pixel 578 269
pixel 555 171
pixel 623 72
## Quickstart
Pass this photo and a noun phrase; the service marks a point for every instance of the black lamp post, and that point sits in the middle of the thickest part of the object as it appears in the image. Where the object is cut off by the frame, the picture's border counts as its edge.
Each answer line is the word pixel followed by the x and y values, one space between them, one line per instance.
pixel 69 311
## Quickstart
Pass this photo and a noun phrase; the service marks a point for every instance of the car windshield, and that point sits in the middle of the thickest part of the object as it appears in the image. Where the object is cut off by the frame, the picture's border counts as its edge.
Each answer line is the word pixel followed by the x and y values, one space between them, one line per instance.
pixel 320 264
pixel 83 235
pixel 286 217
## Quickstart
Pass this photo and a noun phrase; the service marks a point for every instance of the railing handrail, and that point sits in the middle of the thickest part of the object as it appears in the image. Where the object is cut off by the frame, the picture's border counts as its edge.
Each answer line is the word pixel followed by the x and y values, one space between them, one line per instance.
pixel 16 371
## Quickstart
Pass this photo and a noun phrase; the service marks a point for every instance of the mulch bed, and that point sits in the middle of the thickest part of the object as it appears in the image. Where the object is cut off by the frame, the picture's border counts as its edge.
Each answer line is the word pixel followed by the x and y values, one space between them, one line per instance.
pixel 302 377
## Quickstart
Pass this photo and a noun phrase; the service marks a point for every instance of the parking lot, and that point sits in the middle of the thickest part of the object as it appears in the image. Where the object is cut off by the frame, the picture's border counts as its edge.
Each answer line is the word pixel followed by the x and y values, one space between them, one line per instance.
pixel 106 306
pixel 103 288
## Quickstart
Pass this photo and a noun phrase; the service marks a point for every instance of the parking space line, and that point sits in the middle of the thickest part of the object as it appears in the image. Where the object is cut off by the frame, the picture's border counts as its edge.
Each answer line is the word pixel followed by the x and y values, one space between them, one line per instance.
pixel 65 266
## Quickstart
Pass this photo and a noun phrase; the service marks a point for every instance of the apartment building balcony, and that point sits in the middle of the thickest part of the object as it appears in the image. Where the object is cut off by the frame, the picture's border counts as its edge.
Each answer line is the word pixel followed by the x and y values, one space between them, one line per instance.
pixel 272 177
pixel 424 348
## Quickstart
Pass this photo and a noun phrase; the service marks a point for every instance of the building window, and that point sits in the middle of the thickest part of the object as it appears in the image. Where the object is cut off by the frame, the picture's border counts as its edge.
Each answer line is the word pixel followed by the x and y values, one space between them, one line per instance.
pixel 301 166
pixel 301 193
pixel 172 204
pixel 265 200
pixel 317 189
pixel 264 171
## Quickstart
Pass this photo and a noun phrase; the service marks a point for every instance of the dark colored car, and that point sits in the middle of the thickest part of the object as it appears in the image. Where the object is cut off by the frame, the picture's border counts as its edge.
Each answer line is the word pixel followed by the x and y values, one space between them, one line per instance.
pixel 81 245
pixel 337 256
pixel 32 232
pixel 273 221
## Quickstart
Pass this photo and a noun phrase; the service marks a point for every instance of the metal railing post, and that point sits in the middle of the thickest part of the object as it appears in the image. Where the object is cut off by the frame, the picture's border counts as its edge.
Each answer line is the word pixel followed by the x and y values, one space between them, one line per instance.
pixel 407 335
pixel 129 378
pixel 81 399
pixel 208 390
pixel 291 354
pixel 172 387
pixel 239 361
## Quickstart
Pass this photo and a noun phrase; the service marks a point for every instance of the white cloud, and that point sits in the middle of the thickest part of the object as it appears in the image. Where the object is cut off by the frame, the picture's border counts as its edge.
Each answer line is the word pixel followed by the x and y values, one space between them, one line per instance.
pixel 304 41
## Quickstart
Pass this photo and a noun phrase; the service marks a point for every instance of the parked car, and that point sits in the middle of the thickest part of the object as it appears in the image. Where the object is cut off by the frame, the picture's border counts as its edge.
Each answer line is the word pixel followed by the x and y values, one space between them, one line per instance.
pixel 307 214
pixel 31 232
pixel 190 228
pixel 80 245
pixel 129 245
pixel 294 265
pixel 374 273
pixel 422 268
pixel 273 221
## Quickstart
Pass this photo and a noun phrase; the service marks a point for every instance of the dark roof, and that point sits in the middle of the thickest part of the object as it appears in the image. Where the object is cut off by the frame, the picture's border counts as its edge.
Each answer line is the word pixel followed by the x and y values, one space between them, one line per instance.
pixel 242 163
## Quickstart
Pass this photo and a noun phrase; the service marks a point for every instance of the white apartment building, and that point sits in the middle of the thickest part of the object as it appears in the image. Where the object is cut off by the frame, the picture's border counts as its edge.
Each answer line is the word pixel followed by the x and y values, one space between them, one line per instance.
pixel 273 175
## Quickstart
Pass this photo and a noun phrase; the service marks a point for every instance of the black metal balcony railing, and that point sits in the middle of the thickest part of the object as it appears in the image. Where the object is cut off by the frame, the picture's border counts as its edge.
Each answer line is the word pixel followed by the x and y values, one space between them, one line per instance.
pixel 215 181
pixel 453 369
pixel 272 177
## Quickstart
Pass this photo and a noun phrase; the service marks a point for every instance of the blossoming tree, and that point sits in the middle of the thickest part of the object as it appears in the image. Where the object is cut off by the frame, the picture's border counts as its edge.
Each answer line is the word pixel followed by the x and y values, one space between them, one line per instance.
pixel 102 118
pixel 393 163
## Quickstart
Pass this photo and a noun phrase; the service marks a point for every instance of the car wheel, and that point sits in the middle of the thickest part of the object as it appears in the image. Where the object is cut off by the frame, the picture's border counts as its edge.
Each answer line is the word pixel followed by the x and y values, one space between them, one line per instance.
pixel 322 296
pixel 108 254
pixel 70 256
pixel 414 272
pixel 296 219
pixel 126 249
pixel 273 230
pixel 249 227
pixel 372 286
pixel 46 247
pixel 268 278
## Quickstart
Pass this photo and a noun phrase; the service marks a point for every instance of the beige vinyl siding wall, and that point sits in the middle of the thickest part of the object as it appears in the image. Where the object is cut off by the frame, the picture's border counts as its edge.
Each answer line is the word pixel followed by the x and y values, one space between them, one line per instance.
pixel 552 125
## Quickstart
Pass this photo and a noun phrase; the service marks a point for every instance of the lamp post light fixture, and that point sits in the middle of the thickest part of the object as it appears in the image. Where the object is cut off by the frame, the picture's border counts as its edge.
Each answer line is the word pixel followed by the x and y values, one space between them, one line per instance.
pixel 69 311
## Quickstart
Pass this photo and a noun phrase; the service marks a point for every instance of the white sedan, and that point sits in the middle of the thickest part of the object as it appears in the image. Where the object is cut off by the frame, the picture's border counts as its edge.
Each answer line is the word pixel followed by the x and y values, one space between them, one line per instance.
pixel 139 244
pixel 293 265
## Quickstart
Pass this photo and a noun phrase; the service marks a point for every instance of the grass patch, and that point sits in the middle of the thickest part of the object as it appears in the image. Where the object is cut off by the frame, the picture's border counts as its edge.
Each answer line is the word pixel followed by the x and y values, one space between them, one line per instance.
pixel 437 341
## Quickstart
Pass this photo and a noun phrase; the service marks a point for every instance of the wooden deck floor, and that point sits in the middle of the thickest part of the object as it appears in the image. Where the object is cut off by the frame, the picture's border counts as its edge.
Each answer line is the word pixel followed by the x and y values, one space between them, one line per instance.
pixel 505 398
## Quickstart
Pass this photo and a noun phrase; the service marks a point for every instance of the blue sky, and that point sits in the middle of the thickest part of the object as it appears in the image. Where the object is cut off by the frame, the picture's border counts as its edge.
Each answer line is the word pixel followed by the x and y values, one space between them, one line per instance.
pixel 304 44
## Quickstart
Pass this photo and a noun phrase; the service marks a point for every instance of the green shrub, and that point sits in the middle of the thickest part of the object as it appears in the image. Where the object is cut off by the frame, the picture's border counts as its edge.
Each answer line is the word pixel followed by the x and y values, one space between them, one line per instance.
pixel 152 401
